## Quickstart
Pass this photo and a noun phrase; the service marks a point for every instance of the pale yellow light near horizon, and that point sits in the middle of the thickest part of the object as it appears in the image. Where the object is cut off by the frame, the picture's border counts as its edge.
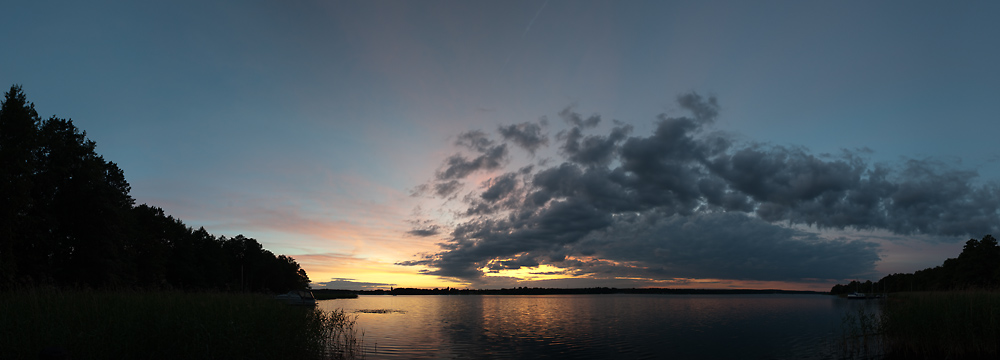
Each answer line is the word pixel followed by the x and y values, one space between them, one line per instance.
pixel 540 272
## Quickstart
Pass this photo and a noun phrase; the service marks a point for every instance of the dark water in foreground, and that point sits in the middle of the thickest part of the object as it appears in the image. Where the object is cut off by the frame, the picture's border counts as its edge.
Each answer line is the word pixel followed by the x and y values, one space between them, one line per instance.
pixel 600 326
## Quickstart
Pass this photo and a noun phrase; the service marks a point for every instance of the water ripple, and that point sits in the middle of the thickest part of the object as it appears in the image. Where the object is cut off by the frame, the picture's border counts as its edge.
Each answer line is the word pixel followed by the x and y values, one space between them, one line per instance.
pixel 597 326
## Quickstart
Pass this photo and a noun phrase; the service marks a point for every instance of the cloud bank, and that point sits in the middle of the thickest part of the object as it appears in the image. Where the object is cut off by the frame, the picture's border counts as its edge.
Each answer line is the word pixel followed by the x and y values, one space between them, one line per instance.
pixel 687 202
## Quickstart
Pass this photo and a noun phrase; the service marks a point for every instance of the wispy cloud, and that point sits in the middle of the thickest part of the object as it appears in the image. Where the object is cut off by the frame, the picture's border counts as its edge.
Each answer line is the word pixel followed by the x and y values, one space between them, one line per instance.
pixel 532 22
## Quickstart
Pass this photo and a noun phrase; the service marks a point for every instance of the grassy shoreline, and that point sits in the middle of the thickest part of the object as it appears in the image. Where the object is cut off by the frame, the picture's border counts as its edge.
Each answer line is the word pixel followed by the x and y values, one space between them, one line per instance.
pixel 941 325
pixel 928 325
pixel 91 324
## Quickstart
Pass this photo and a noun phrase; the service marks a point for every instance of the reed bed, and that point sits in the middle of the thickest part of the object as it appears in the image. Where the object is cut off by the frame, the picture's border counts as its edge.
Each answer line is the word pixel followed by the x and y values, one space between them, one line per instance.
pixel 87 324
pixel 863 334
pixel 942 325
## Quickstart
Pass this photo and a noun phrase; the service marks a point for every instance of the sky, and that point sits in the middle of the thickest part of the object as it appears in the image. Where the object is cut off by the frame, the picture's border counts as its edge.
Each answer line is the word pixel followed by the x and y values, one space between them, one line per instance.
pixel 487 144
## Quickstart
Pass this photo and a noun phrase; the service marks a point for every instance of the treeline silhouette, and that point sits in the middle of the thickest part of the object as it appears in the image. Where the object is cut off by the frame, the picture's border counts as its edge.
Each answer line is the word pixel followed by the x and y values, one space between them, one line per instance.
pixel 977 267
pixel 67 219
pixel 565 291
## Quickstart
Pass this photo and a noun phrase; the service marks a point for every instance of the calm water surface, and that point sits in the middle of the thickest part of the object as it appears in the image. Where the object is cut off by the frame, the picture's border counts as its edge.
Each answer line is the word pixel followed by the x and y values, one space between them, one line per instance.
pixel 600 326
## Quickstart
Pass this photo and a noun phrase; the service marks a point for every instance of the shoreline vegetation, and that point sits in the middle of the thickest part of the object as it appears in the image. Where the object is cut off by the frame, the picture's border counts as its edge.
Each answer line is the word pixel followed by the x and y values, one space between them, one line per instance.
pixel 98 324
pixel 951 311
pixel 961 324
pixel 942 325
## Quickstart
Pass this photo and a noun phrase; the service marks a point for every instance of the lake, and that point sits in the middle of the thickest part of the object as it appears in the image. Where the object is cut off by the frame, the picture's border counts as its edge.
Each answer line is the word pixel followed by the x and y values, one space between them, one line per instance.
pixel 600 326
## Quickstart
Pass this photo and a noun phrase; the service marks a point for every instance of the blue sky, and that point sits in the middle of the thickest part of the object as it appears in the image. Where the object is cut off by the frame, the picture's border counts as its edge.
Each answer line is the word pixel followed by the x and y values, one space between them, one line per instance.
pixel 309 125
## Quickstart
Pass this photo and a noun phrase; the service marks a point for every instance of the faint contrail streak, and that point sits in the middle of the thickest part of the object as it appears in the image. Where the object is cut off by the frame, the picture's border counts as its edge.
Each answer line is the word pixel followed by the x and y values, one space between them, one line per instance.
pixel 534 18
pixel 526 29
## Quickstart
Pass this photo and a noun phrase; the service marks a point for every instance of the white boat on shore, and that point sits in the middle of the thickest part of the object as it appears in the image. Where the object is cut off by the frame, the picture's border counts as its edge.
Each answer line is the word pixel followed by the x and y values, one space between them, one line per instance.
pixel 857 295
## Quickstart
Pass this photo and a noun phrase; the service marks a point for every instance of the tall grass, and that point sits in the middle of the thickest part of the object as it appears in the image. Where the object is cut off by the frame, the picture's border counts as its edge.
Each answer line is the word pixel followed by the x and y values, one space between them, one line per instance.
pixel 863 334
pixel 943 325
pixel 169 325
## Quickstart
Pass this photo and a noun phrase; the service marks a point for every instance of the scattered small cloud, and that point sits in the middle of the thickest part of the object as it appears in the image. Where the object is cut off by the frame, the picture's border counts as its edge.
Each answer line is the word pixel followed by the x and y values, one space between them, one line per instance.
pixel 576 120
pixel 424 228
pixel 526 135
pixel 459 166
pixel 423 232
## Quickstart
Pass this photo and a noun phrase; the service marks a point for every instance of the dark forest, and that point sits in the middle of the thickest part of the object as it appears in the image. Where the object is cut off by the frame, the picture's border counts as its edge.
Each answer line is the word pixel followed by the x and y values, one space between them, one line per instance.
pixel 67 219
pixel 976 268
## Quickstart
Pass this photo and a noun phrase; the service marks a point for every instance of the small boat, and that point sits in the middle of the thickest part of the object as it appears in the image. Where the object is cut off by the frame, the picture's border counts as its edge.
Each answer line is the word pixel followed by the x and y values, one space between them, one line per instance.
pixel 298 297
pixel 857 295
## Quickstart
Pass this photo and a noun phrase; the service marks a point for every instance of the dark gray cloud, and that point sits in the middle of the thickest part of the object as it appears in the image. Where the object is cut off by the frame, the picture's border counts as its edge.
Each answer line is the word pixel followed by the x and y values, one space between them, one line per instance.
pixel 423 232
pixel 703 109
pixel 934 199
pixel 504 192
pixel 499 187
pixel 592 150
pixel 458 166
pixel 526 135
pixel 424 228
pixel 684 201
pixel 588 150
pixel 728 245
pixel 576 120
pixel 475 140
pixel 447 188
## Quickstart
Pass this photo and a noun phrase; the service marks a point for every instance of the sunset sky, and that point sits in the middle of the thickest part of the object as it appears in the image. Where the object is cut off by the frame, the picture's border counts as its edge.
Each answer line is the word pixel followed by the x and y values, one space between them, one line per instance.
pixel 485 144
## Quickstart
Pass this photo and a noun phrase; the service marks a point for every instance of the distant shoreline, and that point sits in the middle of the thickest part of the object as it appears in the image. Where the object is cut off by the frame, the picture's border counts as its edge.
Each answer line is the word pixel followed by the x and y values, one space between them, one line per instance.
pixel 325 293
